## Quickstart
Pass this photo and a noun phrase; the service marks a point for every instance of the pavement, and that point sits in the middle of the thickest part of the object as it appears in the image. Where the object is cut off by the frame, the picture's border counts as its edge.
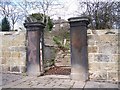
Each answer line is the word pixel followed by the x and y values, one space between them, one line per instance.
pixel 51 82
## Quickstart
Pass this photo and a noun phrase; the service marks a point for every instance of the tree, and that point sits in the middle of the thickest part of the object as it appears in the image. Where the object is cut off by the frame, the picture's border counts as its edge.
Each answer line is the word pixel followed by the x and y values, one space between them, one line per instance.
pixel 40 17
pixel 104 15
pixel 5 8
pixel 46 7
pixel 5 24
pixel 26 6
pixel 50 24
pixel 11 11
pixel 14 17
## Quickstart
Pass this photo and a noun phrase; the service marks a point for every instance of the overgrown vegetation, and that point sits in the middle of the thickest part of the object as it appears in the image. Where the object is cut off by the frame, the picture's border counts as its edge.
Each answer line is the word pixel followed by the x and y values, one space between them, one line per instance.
pixel 5 24
pixel 104 15
pixel 59 40
pixel 43 18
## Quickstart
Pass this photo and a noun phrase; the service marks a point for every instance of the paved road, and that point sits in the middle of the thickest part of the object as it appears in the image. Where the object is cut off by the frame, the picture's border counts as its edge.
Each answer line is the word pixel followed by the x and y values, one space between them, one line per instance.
pixel 50 81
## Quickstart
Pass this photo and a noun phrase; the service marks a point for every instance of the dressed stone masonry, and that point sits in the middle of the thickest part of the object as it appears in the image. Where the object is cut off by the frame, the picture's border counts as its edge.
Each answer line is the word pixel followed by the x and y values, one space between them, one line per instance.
pixel 13 51
pixel 103 53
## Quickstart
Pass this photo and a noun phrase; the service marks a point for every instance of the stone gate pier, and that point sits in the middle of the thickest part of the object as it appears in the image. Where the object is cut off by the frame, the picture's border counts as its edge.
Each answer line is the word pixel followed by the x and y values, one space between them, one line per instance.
pixel 34 36
pixel 79 54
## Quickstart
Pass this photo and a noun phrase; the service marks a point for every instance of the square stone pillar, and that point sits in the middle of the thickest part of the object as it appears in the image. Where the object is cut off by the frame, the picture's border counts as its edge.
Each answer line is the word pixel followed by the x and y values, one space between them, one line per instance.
pixel 79 54
pixel 34 34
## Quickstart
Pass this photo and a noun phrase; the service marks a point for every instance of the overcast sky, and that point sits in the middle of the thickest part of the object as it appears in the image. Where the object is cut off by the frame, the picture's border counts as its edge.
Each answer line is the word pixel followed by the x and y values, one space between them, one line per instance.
pixel 69 10
pixel 70 7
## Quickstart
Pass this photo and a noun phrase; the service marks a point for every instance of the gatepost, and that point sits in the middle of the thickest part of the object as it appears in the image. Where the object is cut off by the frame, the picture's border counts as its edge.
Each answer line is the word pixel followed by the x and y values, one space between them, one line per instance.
pixel 34 34
pixel 79 54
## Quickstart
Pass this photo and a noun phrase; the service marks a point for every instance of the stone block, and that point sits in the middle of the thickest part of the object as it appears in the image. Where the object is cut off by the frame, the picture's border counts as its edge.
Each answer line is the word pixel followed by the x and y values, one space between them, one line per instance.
pixel 22 61
pixel 90 57
pixel 99 70
pixel 92 49
pixel 91 42
pixel 22 38
pixel 15 43
pixel 6 44
pixel 78 85
pixel 62 59
pixel 18 48
pixel 5 68
pixel 92 37
pixel 94 67
pixel 101 58
pixel 112 67
pixel 115 58
pixel 112 76
pixel 108 66
pixel 4 48
pixel 67 61
pixel 23 69
pixel 48 63
pixel 108 48
pixel 4 60
pixel 6 54
pixel 98 75
pixel 90 85
pixel 108 38
pixel 15 69
pixel 16 54
pixel 17 61
pixel 23 54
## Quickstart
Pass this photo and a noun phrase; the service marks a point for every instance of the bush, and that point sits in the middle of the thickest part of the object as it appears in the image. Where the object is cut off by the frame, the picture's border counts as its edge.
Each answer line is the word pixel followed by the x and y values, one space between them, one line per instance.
pixel 57 40
pixel 5 24
pixel 50 24
pixel 43 18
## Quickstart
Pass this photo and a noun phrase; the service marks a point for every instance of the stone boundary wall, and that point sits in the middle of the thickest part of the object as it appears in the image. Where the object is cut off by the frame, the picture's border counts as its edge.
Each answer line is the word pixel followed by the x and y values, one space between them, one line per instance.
pixel 13 51
pixel 103 55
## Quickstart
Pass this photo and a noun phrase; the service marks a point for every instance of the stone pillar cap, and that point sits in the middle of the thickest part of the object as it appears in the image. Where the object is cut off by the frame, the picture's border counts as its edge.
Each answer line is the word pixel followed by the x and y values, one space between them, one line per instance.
pixel 34 24
pixel 78 19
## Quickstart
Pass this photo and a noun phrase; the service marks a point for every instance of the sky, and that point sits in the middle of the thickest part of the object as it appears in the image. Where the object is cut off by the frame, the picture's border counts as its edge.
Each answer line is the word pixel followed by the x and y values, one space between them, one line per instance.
pixel 70 6
pixel 68 11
